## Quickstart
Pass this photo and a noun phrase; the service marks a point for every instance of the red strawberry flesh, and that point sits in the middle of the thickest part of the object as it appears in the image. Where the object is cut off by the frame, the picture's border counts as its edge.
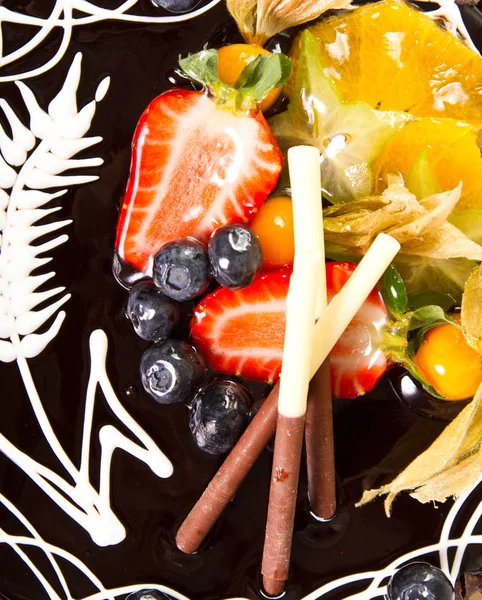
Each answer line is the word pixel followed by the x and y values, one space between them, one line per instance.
pixel 194 167
pixel 242 332
pixel 357 361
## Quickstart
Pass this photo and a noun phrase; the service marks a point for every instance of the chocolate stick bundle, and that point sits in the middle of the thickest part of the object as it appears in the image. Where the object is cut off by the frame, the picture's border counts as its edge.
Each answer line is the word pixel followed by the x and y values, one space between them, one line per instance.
pixel 301 303
pixel 330 326
pixel 320 455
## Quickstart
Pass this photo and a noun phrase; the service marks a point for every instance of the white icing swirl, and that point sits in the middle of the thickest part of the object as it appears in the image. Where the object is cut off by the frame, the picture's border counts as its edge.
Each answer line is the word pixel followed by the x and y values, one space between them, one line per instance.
pixel 90 508
pixel 375 580
pixel 62 17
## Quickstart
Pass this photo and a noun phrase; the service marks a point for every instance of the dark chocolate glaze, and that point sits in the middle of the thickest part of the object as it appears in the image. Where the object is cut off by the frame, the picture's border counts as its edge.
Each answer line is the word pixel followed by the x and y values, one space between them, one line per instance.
pixel 141 60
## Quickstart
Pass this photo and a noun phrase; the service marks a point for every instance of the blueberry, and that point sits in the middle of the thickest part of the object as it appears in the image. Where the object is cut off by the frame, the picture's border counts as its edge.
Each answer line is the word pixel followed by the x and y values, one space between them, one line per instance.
pixel 153 315
pixel 235 255
pixel 171 371
pixel 148 595
pixel 181 269
pixel 420 581
pixel 176 6
pixel 220 413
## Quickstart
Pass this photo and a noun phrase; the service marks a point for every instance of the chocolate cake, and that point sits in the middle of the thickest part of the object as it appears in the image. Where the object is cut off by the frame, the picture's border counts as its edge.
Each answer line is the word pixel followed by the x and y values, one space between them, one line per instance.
pixel 95 477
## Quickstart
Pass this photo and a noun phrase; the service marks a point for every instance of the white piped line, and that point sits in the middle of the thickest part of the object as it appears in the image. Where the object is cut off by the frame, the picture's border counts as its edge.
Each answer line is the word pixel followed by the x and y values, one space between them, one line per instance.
pixel 62 17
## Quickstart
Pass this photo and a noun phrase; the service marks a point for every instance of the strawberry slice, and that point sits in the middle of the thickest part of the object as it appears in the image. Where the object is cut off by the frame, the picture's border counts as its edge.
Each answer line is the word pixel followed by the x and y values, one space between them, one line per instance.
pixel 199 161
pixel 357 360
pixel 241 332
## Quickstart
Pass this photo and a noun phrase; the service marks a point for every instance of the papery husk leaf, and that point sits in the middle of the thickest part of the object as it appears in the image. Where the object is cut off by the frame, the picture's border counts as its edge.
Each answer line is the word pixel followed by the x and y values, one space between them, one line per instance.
pixel 260 20
pixel 471 314
pixel 453 482
pixel 420 227
pixel 446 468
pixel 422 274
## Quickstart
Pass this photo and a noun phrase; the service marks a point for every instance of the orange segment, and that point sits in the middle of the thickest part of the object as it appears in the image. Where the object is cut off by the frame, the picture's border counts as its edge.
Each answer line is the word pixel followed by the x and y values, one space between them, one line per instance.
pixel 395 57
pixel 232 60
pixel 453 156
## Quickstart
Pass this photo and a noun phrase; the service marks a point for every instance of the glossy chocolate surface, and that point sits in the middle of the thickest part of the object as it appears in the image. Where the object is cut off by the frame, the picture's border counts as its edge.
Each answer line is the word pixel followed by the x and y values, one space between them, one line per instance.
pixel 141 61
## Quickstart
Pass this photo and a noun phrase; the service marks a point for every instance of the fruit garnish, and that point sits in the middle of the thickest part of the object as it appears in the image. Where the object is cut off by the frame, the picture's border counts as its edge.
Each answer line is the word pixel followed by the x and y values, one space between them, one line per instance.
pixel 171 371
pixel 235 256
pixel 260 20
pixel 273 225
pixel 435 255
pixel 219 415
pixel 357 361
pixel 153 315
pixel 177 7
pixel 395 57
pixel 419 580
pixel 348 135
pixel 452 464
pixel 446 362
pixel 182 270
pixel 241 332
pixel 147 595
pixel 421 181
pixel 234 58
pixel 200 161
pixel 443 151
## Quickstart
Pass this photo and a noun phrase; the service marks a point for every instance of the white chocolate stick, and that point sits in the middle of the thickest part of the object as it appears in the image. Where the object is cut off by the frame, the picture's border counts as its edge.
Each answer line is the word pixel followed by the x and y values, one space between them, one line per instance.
pixel 295 371
pixel 344 306
pixel 300 320
pixel 304 165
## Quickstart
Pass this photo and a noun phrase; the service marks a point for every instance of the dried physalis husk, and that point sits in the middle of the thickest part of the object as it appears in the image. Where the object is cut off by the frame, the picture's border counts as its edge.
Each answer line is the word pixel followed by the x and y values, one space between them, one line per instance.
pixel 472 310
pixel 450 467
pixel 260 20
pixel 421 227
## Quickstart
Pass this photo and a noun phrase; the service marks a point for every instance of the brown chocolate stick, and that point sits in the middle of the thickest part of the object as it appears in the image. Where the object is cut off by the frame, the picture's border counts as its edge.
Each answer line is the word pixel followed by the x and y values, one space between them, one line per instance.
pixel 319 445
pixel 282 503
pixel 329 328
pixel 229 477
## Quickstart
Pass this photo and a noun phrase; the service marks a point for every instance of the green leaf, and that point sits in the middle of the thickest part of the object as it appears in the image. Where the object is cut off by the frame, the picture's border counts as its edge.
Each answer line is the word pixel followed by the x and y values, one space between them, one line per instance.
pixel 427 315
pixel 421 181
pixel 423 320
pixel 445 301
pixel 201 67
pixel 422 274
pixel 262 75
pixel 393 291
pixel 257 79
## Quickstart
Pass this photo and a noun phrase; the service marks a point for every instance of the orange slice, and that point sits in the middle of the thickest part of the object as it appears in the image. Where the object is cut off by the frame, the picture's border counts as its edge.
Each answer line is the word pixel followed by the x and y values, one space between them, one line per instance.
pixel 453 155
pixel 395 57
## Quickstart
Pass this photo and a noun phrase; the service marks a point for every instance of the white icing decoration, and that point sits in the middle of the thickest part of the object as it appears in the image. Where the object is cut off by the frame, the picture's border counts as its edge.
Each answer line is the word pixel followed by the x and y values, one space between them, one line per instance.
pixel 376 580
pixel 90 508
pixel 39 154
pixel 61 132
pixel 62 17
